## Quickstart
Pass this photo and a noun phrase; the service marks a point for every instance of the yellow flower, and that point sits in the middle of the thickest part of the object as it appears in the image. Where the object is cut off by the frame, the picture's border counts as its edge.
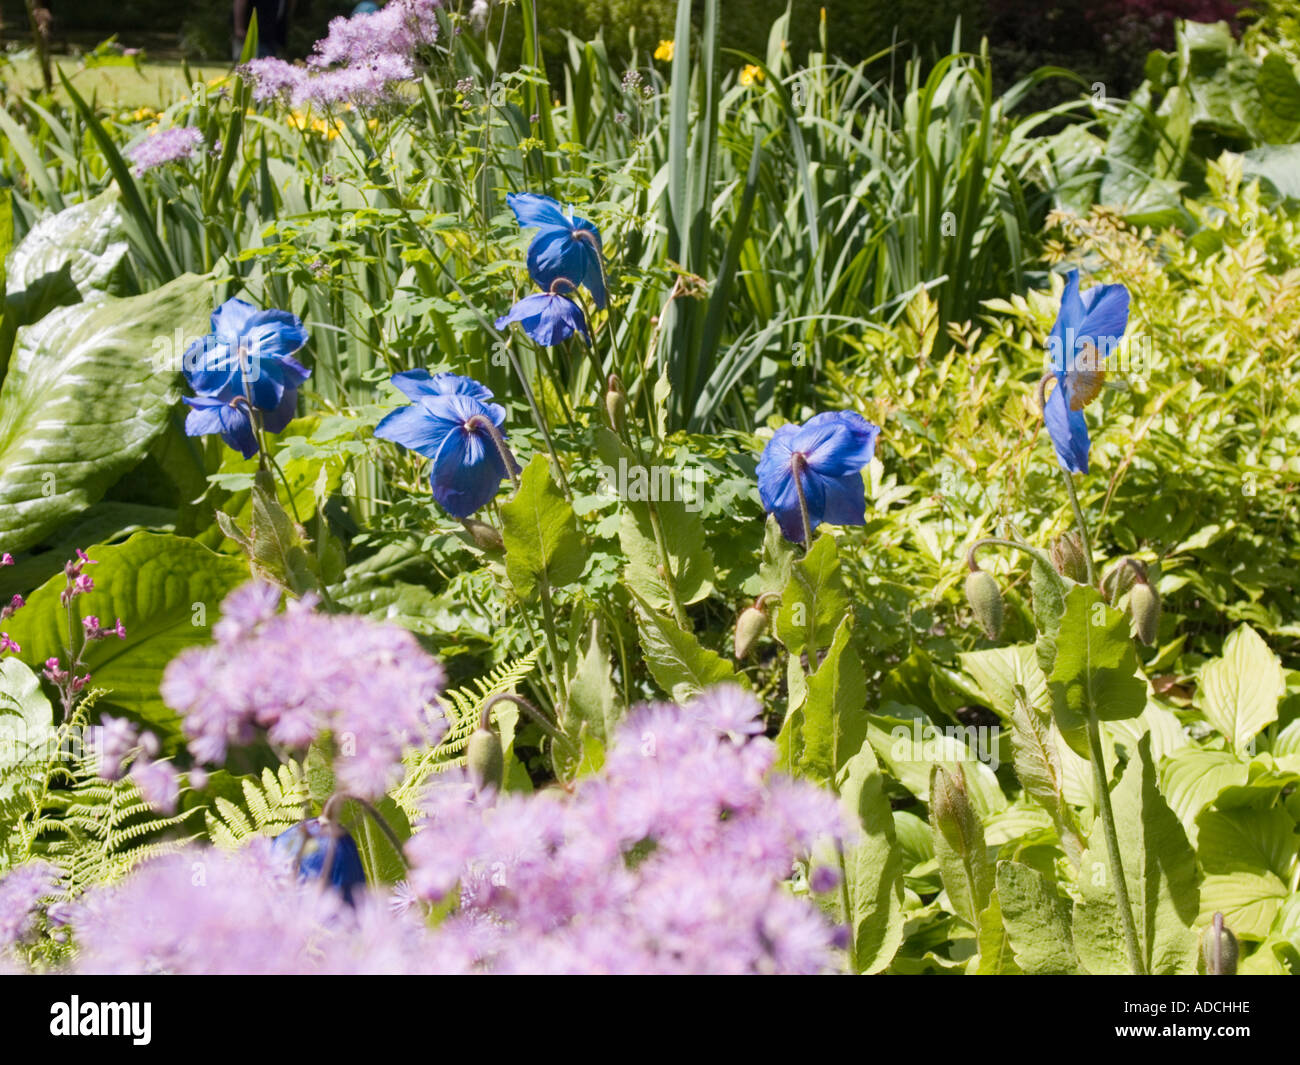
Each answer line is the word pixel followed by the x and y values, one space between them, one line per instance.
pixel 141 113
pixel 665 51
pixel 751 74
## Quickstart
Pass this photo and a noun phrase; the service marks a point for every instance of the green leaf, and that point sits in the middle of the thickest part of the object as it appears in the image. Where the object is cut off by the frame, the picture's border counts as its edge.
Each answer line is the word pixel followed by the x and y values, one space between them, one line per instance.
pixel 541 534
pixel 26 719
pixel 813 601
pixel 82 401
pixel 1247 856
pixel 1095 672
pixel 679 665
pixel 1192 778
pixel 68 257
pixel 1160 871
pixel 167 590
pixel 1037 919
pixel 1038 766
pixel 830 727
pixel 593 695
pixel 873 867
pixel 1239 692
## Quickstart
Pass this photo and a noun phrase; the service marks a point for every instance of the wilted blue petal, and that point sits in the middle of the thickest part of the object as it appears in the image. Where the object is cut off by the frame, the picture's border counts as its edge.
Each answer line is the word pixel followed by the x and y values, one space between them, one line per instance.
pixel 547 319
pixel 232 422
pixel 1068 430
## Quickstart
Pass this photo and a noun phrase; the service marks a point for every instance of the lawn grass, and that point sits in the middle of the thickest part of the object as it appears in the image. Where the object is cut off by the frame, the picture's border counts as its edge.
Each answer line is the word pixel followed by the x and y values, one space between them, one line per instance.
pixel 155 84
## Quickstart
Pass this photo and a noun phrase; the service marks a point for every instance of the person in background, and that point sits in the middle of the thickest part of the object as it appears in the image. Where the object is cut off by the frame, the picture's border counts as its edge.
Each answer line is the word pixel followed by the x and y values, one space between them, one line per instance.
pixel 272 26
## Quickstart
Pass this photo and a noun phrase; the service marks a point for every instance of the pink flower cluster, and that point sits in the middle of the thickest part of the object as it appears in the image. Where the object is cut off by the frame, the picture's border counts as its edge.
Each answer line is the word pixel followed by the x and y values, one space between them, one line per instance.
pixel 164 146
pixel 300 675
pixel 359 61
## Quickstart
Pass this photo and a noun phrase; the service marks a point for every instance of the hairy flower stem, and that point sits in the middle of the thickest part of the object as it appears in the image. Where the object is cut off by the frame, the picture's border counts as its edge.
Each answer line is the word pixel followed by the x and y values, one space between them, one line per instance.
pixel 552 644
pixel 534 715
pixel 797 466
pixel 499 441
pixel 847 910
pixel 1085 543
pixel 1107 815
pixel 329 814
pixel 1032 552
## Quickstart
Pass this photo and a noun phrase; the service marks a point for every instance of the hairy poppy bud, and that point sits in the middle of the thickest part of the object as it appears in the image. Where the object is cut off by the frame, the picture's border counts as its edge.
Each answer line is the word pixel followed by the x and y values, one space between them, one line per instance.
pixel 312 843
pixel 485 759
pixel 1067 557
pixel 1219 949
pixel 616 403
pixel 750 625
pixel 950 808
pixel 1144 606
pixel 486 536
pixel 985 598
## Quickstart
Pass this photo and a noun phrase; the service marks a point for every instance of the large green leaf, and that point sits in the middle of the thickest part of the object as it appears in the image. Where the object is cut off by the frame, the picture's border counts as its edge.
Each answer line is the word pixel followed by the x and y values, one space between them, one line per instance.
pixel 830 726
pixel 873 867
pixel 1247 856
pixel 813 601
pixel 1239 691
pixel 26 719
pixel 1161 875
pixel 1096 668
pixel 82 401
pixel 68 257
pixel 1037 919
pixel 679 665
pixel 543 545
pixel 166 589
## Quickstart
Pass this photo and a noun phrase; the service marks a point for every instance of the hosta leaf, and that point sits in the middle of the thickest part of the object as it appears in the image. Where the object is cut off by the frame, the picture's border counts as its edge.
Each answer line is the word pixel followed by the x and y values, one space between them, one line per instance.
pixel 70 256
pixel 83 399
pixel 1240 690
pixel 165 588
pixel 1247 856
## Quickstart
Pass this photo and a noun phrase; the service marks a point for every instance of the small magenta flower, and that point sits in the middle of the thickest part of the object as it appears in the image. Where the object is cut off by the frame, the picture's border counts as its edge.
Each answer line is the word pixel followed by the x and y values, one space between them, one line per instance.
pixel 6 644
pixel 1088 328
pixel 547 318
pixel 452 424
pixel 15 604
pixel 810 473
pixel 95 631
pixel 245 364
pixel 309 843
pixel 6 559
pixel 566 247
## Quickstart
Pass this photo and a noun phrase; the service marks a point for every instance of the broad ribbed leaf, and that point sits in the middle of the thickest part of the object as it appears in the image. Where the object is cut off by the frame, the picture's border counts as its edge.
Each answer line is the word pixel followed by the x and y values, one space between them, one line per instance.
pixel 83 399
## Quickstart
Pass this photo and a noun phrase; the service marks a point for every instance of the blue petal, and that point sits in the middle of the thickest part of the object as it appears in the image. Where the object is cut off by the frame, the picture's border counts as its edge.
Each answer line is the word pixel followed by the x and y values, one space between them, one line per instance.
pixel 416 384
pixel 211 369
pixel 1068 430
pixel 547 319
pixel 230 320
pixel 275 420
pixel 1066 324
pixel 414 428
pixel 533 210
pixel 214 416
pixel 467 471
pixel 1106 316
pixel 274 334
pixel 837 443
pixel 845 499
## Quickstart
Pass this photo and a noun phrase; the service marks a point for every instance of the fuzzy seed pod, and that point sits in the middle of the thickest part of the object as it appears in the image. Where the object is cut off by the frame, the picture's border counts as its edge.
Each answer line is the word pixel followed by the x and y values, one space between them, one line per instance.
pixel 486 536
pixel 985 598
pixel 1144 606
pixel 616 404
pixel 1219 949
pixel 485 759
pixel 1067 557
pixel 750 625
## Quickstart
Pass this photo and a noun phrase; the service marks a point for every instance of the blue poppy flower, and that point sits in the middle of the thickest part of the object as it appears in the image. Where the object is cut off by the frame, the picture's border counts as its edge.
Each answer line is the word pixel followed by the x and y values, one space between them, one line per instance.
pixel 565 248
pixel 309 842
pixel 1088 328
pixel 547 319
pixel 231 419
pixel 455 429
pixel 250 353
pixel 826 454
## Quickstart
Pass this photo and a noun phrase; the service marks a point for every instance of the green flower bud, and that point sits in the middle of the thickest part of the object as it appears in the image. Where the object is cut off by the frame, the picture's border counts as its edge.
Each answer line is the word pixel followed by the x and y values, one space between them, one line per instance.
pixel 485 759
pixel 615 403
pixel 487 537
pixel 985 598
pixel 1144 606
pixel 950 808
pixel 1067 557
pixel 1219 949
pixel 750 625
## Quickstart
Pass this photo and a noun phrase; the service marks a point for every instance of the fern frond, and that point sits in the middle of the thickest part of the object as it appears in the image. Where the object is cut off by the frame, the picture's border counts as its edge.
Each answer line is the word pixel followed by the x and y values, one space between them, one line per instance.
pixel 271 805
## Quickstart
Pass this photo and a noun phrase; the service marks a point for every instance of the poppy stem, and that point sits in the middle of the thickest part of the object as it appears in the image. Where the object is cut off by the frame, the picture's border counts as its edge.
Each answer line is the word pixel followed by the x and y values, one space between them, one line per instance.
pixel 1032 552
pixel 1084 542
pixel 797 465
pixel 499 440
pixel 535 715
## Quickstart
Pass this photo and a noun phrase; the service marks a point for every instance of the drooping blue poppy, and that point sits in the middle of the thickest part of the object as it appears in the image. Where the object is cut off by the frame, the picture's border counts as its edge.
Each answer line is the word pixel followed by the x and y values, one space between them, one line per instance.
pixel 455 429
pixel 547 319
pixel 231 419
pixel 566 247
pixel 827 454
pixel 309 842
pixel 1089 326
pixel 250 353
